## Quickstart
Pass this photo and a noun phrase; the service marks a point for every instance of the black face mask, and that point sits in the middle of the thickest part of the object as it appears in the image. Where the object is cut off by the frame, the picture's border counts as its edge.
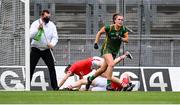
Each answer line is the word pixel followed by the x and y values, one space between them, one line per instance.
pixel 46 20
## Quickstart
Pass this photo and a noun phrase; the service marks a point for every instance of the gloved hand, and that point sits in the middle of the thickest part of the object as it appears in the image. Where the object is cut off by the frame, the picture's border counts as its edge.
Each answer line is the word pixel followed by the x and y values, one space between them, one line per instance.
pixel 96 46
pixel 120 38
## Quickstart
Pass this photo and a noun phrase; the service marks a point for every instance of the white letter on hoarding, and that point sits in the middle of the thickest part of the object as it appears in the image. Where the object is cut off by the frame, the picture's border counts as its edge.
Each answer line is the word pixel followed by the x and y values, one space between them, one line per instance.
pixel 161 83
pixel 42 82
pixel 3 81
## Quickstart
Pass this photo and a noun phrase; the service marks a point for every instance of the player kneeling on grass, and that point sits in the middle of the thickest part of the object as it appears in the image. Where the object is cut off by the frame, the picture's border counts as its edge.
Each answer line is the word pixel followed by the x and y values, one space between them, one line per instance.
pixel 99 84
pixel 85 66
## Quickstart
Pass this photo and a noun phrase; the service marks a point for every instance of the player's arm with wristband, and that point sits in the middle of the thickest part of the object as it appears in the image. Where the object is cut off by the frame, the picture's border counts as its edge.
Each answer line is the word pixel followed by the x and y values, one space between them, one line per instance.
pixel 98 35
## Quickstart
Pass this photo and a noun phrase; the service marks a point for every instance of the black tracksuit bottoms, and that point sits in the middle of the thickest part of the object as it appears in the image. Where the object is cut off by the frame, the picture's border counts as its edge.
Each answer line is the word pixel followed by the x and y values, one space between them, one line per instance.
pixel 35 55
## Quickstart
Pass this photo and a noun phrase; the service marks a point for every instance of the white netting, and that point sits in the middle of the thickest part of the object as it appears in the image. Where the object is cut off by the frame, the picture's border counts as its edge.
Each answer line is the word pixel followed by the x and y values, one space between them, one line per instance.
pixel 12 32
pixel 12 42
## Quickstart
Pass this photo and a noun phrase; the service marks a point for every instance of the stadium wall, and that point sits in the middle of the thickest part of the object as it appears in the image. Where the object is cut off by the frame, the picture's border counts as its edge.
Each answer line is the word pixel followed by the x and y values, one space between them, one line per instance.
pixel 145 78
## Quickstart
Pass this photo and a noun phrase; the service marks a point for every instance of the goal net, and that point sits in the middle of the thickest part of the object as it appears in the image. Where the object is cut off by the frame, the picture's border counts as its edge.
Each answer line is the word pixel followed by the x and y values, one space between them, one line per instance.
pixel 13 45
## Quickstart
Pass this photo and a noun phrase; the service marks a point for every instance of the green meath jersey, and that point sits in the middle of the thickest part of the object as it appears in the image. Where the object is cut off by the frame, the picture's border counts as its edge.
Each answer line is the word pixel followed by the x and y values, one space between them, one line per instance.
pixel 112 41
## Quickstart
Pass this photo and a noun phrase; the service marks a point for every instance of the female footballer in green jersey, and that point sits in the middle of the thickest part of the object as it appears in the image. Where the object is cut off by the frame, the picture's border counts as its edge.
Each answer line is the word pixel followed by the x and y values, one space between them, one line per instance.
pixel 115 34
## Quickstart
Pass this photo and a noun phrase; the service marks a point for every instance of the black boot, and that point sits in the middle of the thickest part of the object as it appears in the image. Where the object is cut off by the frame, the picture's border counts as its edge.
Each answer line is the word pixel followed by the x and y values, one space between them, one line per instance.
pixel 130 87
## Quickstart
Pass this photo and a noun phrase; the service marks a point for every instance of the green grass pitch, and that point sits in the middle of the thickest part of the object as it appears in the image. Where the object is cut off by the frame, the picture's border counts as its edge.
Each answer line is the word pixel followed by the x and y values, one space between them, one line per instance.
pixel 88 97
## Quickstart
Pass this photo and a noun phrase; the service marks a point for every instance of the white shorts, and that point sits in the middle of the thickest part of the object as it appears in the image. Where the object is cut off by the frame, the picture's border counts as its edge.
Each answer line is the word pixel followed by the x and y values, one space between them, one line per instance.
pixel 100 84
